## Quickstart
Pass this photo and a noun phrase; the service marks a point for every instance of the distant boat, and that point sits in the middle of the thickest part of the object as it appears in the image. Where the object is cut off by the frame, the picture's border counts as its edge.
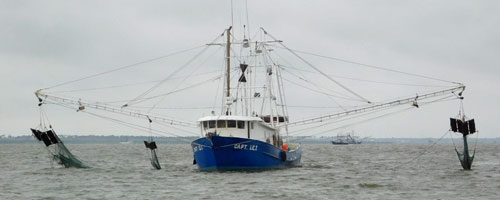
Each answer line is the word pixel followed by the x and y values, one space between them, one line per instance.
pixel 126 141
pixel 346 138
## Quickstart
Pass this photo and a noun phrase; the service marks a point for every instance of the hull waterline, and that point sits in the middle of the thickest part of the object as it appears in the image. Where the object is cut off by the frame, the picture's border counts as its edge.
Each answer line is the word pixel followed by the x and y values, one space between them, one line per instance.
pixel 231 153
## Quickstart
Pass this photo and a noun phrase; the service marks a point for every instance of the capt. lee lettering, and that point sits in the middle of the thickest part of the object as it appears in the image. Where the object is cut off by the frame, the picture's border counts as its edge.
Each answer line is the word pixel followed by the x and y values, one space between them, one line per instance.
pixel 246 147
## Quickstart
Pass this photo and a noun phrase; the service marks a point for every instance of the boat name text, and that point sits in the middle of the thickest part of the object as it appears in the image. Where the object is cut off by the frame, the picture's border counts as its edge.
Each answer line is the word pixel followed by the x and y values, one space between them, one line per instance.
pixel 246 147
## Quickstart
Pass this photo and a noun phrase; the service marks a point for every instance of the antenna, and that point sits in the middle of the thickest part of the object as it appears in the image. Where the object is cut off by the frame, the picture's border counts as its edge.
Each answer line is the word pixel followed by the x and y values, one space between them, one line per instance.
pixel 248 22
pixel 232 17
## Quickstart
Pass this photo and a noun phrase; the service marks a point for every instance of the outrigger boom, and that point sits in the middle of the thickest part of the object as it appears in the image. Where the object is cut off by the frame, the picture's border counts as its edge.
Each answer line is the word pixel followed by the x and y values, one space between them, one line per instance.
pixel 137 114
pixel 378 106
pixel 109 108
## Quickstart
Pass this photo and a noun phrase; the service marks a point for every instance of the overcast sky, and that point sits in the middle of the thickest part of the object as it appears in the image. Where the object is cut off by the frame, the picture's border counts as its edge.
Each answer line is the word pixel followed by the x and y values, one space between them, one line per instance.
pixel 43 43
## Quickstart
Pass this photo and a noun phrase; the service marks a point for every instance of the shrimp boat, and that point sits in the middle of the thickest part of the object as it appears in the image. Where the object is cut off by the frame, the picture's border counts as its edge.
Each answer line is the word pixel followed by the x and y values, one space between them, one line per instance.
pixel 347 138
pixel 250 131
pixel 241 139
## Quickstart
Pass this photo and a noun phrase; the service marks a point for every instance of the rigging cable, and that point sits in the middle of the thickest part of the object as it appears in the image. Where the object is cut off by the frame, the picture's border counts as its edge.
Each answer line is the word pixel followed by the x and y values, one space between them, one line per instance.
pixel 320 92
pixel 338 120
pixel 126 85
pixel 137 127
pixel 285 67
pixel 173 108
pixel 307 81
pixel 370 66
pixel 124 67
pixel 377 117
pixel 108 108
pixel 172 74
pixel 248 22
pixel 232 18
pixel 347 125
pixel 171 92
pixel 315 68
pixel 182 81
pixel 370 81
pixel 421 154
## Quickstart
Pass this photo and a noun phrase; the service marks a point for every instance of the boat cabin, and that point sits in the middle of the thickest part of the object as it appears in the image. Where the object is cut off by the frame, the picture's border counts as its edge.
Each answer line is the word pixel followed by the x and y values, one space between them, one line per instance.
pixel 237 126
pixel 280 119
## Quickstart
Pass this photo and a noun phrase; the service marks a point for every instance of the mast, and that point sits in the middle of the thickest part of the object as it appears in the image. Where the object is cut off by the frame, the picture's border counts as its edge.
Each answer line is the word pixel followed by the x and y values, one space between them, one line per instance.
pixel 228 67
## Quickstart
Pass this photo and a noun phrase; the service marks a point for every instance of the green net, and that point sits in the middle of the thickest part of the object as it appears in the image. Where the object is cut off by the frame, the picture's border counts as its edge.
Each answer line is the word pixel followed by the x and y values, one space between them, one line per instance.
pixel 154 158
pixel 65 158
pixel 59 152
pixel 465 158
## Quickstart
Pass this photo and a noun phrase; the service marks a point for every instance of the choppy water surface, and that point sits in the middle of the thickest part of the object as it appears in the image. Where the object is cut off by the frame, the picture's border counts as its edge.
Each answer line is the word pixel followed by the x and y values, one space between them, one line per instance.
pixel 328 172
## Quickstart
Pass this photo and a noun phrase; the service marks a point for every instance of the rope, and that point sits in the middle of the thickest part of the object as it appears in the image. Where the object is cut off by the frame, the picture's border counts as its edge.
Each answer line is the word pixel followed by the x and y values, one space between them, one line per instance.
pixel 43 126
pixel 176 128
pixel 175 108
pixel 172 74
pixel 232 18
pixel 167 78
pixel 124 67
pixel 164 94
pixel 340 127
pixel 185 78
pixel 313 84
pixel 340 120
pixel 475 144
pixel 370 81
pixel 320 107
pixel 424 152
pixel 373 118
pixel 130 84
pixel 320 92
pixel 127 124
pixel 248 21
pixel 319 71
pixel 179 90
pixel 307 81
pixel 370 66
pixel 430 146
pixel 137 127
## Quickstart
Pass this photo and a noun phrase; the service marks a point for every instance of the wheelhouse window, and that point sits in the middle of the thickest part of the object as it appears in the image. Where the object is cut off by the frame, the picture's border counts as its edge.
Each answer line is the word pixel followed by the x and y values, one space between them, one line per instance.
pixel 221 123
pixel 241 124
pixel 231 123
pixel 205 124
pixel 211 124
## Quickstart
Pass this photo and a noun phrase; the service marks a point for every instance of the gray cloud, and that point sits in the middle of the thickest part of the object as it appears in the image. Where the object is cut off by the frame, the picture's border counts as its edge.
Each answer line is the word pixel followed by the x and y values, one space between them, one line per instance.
pixel 43 43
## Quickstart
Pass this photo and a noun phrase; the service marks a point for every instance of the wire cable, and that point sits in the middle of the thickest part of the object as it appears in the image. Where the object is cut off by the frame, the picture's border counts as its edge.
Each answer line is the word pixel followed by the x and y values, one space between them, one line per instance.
pixel 370 66
pixel 124 67
pixel 421 154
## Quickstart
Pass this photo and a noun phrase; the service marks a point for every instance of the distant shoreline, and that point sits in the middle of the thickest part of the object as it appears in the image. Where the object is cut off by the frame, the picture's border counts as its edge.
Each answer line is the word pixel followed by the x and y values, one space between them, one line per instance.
pixel 91 139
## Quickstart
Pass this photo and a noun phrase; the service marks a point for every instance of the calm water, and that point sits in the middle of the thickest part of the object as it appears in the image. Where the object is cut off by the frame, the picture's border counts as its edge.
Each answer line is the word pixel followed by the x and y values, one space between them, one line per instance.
pixel 327 172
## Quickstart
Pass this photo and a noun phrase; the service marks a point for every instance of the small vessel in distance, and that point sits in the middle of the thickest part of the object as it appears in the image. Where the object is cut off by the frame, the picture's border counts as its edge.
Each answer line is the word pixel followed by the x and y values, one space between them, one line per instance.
pixel 346 138
pixel 126 141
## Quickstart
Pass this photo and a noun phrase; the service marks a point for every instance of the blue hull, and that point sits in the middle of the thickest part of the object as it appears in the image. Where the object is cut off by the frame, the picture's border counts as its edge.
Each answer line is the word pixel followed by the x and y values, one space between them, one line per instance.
pixel 230 153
